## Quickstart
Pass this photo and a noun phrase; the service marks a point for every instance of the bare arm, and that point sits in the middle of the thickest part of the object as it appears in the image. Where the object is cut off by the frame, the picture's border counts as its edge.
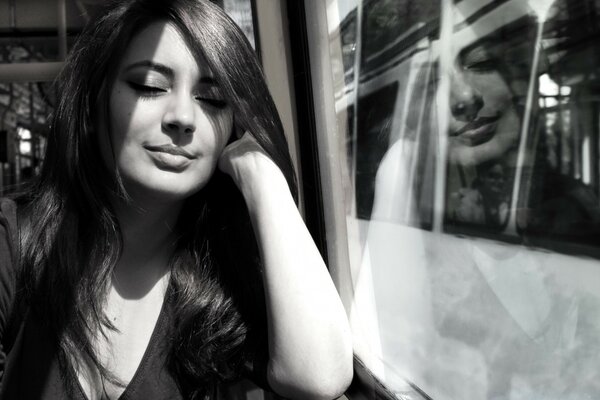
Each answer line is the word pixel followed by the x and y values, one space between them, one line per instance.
pixel 310 352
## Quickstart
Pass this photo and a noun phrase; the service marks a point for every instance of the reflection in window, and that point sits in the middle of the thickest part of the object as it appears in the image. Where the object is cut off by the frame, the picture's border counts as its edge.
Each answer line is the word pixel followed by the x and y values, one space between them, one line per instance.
pixel 562 204
pixel 375 113
pixel 486 107
pixel 476 182
pixel 348 43
pixel 555 205
pixel 387 23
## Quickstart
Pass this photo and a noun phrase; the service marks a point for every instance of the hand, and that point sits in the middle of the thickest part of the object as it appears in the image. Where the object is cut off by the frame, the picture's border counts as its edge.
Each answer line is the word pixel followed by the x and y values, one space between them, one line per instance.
pixel 248 164
pixel 467 206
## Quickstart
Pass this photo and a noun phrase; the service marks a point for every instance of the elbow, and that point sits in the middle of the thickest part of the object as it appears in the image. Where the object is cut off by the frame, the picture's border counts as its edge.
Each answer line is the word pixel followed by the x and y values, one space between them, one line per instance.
pixel 333 386
pixel 331 378
pixel 341 377
pixel 317 380
pixel 329 384
pixel 330 391
pixel 316 388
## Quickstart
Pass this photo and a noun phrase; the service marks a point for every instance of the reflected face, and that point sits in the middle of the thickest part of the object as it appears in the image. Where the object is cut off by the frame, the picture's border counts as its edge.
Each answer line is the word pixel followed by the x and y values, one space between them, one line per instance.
pixel 484 124
pixel 168 120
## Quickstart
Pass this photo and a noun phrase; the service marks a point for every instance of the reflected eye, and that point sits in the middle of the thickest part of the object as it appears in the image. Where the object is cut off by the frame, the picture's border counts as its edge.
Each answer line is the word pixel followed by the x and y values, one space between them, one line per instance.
pixel 482 58
pixel 487 65
pixel 145 90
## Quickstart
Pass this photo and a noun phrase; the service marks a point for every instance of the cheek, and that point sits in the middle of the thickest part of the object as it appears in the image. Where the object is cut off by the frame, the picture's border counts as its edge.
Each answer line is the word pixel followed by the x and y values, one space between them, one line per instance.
pixel 120 116
pixel 497 95
pixel 221 126
pixel 509 129
pixel 131 121
pixel 120 126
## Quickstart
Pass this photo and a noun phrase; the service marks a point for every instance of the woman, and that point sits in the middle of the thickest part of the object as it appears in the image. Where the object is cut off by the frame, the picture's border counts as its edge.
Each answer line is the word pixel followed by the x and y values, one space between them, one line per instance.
pixel 487 108
pixel 161 244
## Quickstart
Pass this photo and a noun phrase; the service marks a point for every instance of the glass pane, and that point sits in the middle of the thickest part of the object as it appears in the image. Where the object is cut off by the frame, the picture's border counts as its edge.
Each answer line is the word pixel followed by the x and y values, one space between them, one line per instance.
pixel 373 131
pixel 486 108
pixel 469 138
pixel 522 151
pixel 241 12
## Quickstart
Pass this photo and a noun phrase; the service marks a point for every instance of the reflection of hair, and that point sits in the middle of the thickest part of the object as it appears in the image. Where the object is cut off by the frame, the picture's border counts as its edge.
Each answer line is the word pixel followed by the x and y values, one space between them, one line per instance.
pixel 484 167
pixel 70 236
pixel 511 49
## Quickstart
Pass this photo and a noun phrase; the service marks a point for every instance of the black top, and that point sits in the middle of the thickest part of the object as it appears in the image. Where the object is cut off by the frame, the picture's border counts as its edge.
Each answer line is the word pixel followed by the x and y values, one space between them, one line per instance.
pixel 29 366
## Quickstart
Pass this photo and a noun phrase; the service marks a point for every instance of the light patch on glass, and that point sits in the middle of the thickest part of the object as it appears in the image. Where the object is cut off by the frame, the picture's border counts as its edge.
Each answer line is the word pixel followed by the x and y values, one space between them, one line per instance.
pixel 547 86
pixel 24 140
pixel 24 134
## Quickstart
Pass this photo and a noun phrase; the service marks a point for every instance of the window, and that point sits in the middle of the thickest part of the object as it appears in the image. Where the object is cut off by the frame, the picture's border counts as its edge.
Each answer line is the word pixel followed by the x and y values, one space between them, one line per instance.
pixel 467 155
pixel 33 40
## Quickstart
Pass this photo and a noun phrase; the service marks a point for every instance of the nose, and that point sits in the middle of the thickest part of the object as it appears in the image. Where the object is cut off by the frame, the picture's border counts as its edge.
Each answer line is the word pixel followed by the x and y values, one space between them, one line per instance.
pixel 179 116
pixel 465 100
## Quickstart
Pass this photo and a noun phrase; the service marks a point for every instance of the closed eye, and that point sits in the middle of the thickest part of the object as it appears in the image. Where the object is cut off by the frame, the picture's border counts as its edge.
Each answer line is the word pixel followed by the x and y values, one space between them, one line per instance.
pixel 145 90
pixel 215 102
pixel 483 65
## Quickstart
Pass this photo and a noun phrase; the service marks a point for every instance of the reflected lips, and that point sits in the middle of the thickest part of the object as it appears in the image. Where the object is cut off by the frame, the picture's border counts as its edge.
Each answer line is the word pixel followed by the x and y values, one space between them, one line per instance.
pixel 478 131
pixel 170 157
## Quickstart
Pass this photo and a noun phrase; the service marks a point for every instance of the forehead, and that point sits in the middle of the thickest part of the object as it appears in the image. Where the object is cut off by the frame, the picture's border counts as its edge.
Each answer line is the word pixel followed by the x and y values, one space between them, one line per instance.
pixel 161 42
pixel 507 27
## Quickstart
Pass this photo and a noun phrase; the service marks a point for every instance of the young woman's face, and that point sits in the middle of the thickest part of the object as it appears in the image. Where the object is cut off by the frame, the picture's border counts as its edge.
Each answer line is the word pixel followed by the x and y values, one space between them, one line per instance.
pixel 168 120
pixel 484 124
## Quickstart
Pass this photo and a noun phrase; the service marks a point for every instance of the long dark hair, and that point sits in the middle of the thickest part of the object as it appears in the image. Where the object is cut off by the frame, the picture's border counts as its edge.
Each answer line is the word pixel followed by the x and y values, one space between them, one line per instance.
pixel 70 237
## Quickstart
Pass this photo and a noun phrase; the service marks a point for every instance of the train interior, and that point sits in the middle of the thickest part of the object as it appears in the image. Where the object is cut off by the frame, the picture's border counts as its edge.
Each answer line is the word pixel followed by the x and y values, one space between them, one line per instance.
pixel 448 156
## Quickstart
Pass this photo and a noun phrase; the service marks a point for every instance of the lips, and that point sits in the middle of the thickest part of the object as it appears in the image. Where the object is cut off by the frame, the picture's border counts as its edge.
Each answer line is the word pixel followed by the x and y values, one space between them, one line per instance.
pixel 477 131
pixel 169 157
pixel 170 149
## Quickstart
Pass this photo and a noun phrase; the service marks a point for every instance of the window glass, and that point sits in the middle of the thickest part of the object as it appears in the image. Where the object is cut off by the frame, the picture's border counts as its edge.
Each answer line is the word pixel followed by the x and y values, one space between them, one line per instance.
pixel 374 122
pixel 468 137
pixel 241 12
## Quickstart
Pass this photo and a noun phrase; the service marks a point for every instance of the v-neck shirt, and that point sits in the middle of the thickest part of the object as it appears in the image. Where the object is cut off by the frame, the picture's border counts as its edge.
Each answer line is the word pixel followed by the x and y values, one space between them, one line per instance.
pixel 29 367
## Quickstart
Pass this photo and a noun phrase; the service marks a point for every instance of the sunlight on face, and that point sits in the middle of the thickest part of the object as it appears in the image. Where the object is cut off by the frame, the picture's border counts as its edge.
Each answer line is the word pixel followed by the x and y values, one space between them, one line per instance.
pixel 484 123
pixel 491 62
pixel 168 119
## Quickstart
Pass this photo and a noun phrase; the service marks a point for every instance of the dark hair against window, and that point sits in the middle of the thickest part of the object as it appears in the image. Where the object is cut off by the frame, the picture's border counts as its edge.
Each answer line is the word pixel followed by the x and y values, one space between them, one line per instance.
pixel 70 236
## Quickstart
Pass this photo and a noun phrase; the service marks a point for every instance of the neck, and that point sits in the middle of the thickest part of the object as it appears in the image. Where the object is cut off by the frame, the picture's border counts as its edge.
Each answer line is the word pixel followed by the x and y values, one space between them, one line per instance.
pixel 148 242
pixel 145 227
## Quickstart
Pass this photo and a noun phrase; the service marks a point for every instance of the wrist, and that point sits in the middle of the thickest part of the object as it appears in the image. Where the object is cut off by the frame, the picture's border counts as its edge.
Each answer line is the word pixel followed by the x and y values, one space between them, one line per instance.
pixel 263 185
pixel 261 175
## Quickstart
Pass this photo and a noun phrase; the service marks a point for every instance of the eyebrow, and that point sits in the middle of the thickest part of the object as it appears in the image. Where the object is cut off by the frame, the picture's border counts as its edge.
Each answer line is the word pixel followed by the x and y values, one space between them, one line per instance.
pixel 163 69
pixel 167 71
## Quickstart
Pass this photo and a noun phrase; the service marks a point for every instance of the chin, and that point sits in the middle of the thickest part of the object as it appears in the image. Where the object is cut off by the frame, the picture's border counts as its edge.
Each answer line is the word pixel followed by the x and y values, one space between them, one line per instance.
pixel 462 155
pixel 162 191
pixel 468 156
